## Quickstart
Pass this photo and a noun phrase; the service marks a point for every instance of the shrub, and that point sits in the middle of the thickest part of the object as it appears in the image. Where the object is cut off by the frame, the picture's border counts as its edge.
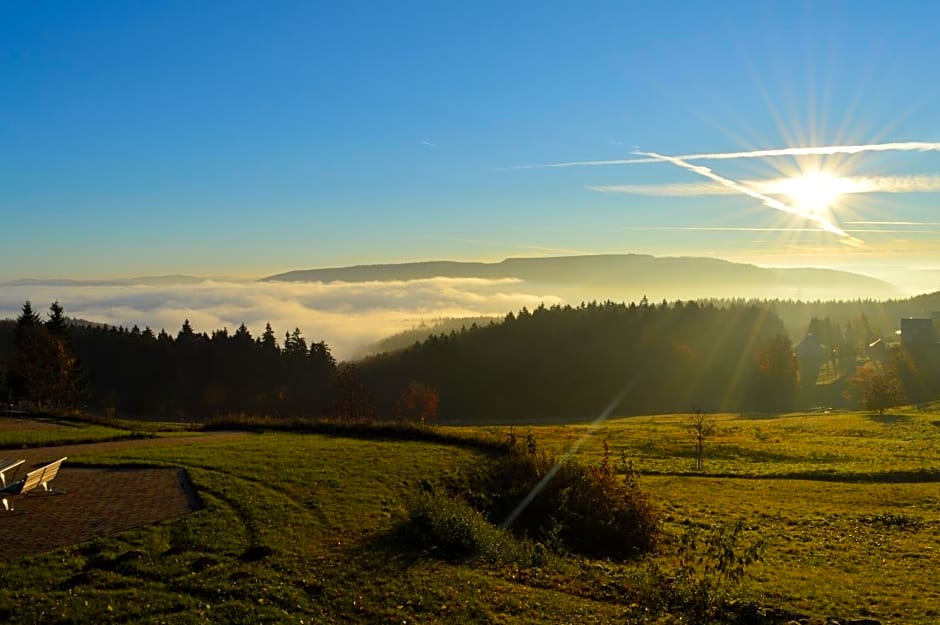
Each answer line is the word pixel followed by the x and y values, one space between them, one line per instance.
pixel 455 531
pixel 888 520
pixel 711 563
pixel 587 509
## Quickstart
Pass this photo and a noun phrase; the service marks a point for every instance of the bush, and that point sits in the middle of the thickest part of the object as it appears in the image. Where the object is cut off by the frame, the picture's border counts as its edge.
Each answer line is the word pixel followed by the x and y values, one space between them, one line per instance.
pixel 888 520
pixel 566 504
pixel 455 531
pixel 711 564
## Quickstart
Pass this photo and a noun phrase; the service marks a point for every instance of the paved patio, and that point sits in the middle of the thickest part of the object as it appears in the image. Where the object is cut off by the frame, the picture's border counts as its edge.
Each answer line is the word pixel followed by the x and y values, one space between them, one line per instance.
pixel 97 501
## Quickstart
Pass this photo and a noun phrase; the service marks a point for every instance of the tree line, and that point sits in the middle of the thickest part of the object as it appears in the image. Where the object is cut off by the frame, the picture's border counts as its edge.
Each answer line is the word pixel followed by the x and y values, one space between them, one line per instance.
pixel 52 364
pixel 552 363
pixel 861 321
pixel 565 362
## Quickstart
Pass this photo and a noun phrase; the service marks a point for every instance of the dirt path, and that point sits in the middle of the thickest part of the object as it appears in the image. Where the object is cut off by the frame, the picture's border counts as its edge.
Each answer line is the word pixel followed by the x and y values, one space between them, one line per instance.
pixel 97 501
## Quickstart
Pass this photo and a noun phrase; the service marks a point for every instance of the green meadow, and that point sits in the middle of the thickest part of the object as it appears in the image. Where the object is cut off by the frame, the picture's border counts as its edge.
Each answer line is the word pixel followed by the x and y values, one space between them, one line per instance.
pixel 903 445
pixel 303 528
pixel 54 431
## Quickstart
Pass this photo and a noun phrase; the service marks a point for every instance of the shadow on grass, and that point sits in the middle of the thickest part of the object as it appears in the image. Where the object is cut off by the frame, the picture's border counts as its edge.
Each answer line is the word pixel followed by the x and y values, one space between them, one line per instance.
pixel 761 416
pixel 367 430
pixel 727 451
pixel 918 476
pixel 391 550
pixel 889 419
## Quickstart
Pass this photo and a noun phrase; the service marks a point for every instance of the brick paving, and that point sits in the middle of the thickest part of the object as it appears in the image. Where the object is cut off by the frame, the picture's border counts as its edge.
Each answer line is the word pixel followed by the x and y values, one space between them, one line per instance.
pixel 97 501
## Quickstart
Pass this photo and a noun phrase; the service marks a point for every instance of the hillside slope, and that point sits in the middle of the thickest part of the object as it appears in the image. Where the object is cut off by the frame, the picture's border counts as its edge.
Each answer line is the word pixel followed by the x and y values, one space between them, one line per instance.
pixel 625 276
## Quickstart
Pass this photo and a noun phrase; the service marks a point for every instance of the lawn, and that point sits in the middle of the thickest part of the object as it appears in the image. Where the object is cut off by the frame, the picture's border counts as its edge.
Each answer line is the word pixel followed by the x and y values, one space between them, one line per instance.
pixel 856 528
pixel 41 432
pixel 900 446
pixel 296 528
pixel 300 528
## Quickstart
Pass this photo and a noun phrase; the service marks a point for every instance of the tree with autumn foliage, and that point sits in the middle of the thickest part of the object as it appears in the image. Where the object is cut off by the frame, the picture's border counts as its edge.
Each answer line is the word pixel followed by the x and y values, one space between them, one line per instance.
pixel 418 403
pixel 44 368
pixel 875 388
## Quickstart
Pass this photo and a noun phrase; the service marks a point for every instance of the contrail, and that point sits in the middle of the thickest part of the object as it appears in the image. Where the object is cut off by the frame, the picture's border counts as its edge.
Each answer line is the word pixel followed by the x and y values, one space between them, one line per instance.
pixel 692 189
pixel 894 223
pixel 819 220
pixel 898 146
pixel 711 229
pixel 571 450
pixel 749 229
pixel 847 184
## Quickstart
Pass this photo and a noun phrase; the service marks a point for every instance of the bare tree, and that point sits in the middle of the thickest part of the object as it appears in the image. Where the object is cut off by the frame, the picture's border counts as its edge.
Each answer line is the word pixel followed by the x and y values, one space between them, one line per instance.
pixel 701 427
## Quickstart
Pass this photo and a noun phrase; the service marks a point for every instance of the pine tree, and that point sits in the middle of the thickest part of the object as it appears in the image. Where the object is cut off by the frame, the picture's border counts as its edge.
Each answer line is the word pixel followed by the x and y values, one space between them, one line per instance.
pixel 295 345
pixel 27 316
pixel 45 370
pixel 186 332
pixel 242 333
pixel 320 354
pixel 56 323
pixel 268 340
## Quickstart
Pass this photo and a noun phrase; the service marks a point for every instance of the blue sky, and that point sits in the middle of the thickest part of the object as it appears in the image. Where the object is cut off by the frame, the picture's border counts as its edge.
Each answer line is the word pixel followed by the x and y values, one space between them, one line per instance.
pixel 249 138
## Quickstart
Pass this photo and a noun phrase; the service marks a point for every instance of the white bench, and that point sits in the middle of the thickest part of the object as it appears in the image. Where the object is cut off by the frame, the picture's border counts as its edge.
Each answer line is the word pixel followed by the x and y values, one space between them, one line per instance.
pixel 6 465
pixel 34 479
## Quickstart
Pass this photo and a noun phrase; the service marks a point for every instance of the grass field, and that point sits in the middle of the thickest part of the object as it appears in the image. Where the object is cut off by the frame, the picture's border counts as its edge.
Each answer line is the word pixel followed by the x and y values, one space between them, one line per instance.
pixel 900 446
pixel 854 530
pixel 27 432
pixel 300 528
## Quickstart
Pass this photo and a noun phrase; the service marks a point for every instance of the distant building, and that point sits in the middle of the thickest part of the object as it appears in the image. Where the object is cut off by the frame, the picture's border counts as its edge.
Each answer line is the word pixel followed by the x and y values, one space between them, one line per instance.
pixel 916 331
pixel 921 364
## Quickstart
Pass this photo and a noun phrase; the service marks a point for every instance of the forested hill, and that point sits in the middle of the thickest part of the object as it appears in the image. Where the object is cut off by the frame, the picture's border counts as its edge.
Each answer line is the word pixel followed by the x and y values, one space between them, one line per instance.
pixel 140 373
pixel 626 277
pixel 551 363
pixel 557 363
pixel 422 331
pixel 566 363
pixel 872 318
pixel 868 319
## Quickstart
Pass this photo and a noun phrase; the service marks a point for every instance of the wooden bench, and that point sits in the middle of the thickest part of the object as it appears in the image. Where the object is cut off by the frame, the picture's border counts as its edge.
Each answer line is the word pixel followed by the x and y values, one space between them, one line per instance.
pixel 6 465
pixel 33 480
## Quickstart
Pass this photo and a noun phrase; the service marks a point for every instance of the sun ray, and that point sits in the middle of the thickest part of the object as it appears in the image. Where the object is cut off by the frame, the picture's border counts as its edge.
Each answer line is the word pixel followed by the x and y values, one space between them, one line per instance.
pixel 822 221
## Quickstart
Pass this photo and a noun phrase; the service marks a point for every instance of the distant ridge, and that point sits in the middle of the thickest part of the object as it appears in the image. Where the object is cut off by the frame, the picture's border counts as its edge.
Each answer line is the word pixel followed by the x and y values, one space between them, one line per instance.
pixel 630 275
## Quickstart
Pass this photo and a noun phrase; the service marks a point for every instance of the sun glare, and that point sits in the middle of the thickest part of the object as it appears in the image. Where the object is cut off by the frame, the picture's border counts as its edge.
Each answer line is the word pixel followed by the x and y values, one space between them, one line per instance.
pixel 813 192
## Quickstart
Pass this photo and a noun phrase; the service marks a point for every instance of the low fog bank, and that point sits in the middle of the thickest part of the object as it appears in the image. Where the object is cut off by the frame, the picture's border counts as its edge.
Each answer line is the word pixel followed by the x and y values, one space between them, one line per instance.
pixel 910 280
pixel 354 317
pixel 348 316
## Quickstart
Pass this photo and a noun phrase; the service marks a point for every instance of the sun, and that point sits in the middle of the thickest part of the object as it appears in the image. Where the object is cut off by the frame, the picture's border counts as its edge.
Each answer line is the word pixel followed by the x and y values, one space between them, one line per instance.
pixel 813 192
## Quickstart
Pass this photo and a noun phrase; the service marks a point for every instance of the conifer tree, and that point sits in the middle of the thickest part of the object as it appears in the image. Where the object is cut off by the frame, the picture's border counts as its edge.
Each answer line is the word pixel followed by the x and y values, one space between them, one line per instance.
pixel 56 323
pixel 186 332
pixel 242 333
pixel 268 340
pixel 27 316
pixel 45 370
